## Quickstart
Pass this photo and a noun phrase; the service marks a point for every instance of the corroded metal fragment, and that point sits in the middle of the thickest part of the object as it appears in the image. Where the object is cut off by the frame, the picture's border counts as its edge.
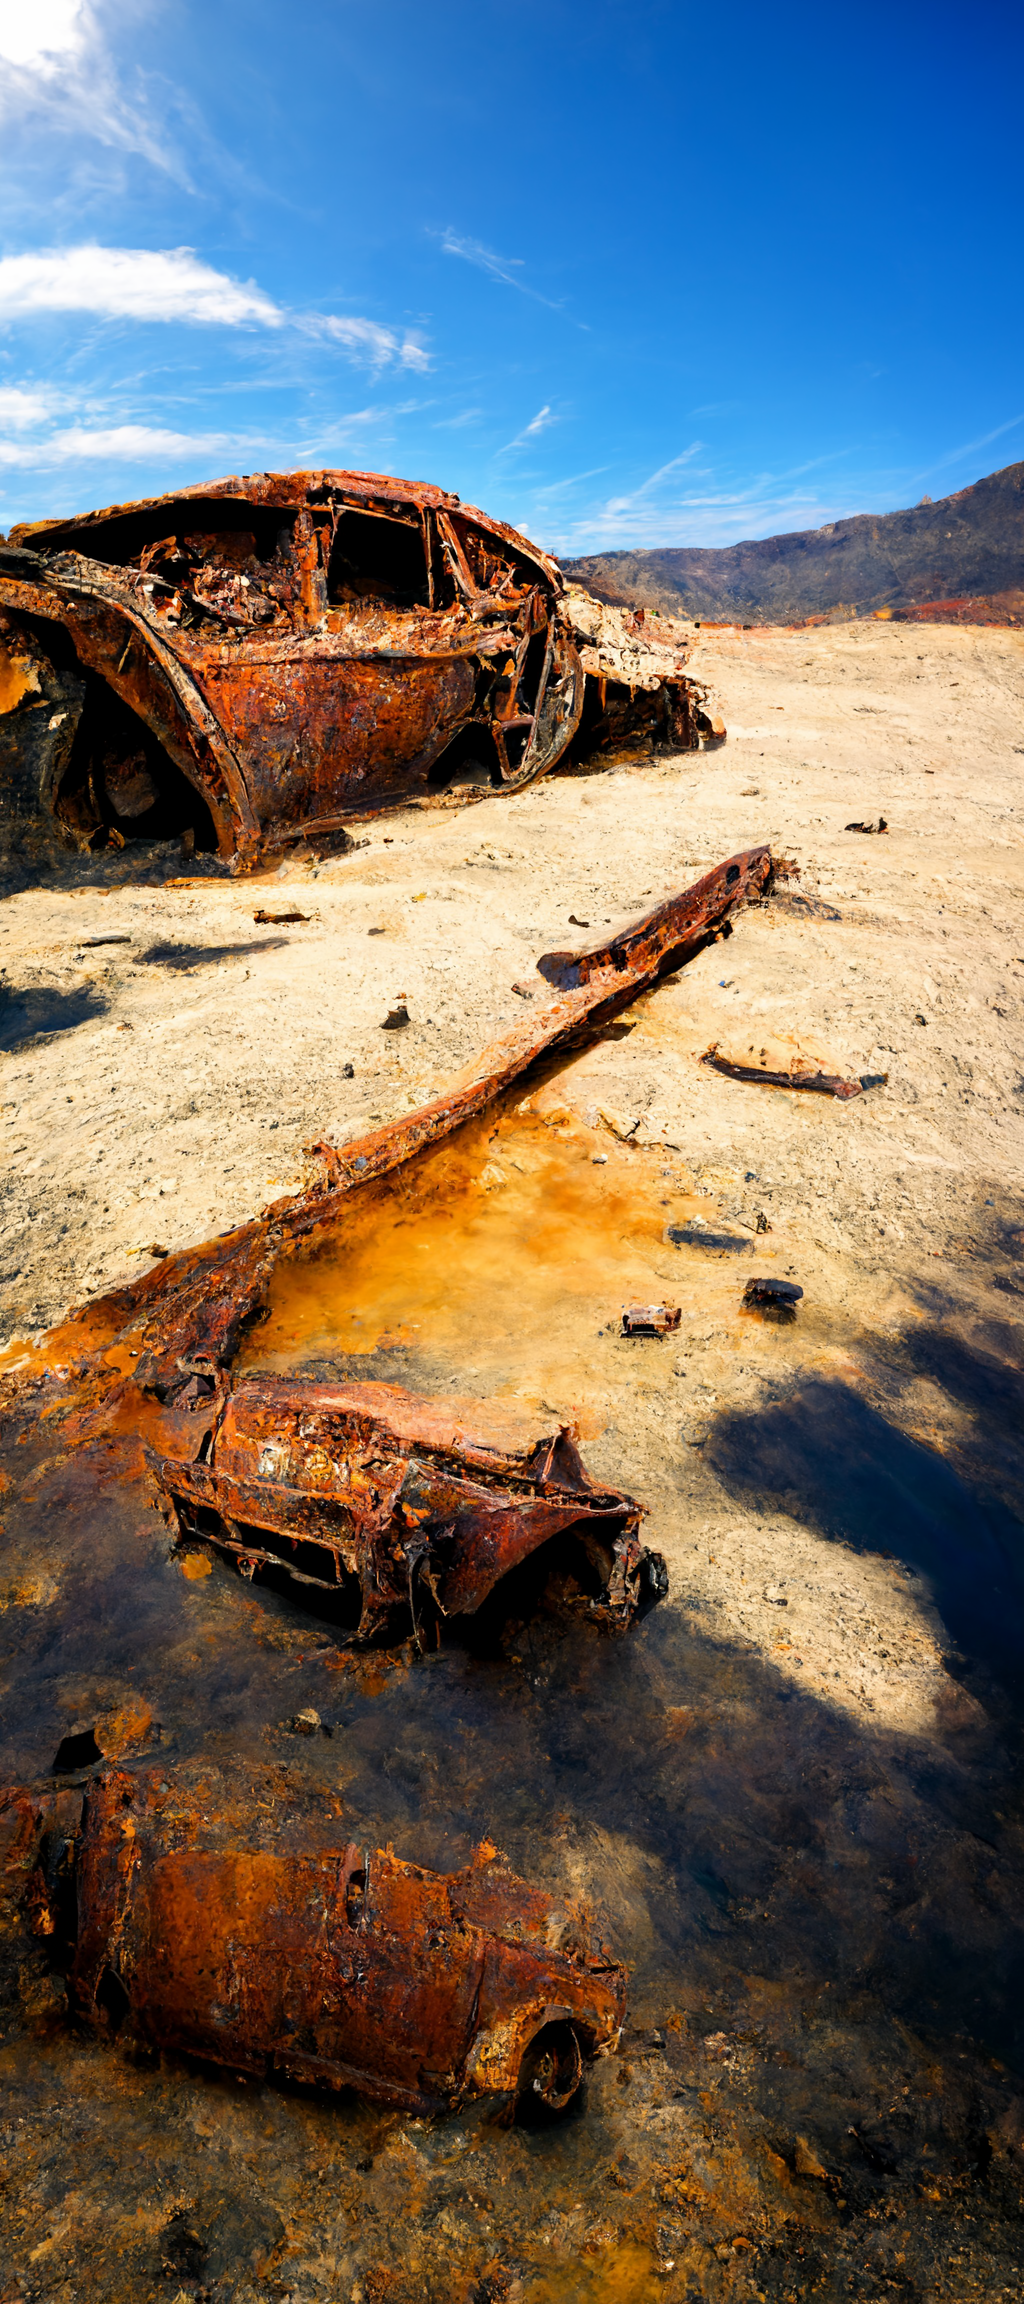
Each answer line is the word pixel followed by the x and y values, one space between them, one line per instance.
pixel 293 1951
pixel 800 1075
pixel 188 1312
pixel 388 1502
pixel 650 1319
pixel 773 1297
pixel 256 661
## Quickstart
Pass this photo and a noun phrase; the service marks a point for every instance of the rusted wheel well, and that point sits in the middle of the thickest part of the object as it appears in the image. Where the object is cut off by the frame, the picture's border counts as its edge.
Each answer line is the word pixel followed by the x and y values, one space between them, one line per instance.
pixel 117 781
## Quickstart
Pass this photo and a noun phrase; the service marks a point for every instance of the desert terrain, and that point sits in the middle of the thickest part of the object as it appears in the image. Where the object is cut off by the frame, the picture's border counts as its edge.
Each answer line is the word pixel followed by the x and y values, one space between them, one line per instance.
pixel 792 1789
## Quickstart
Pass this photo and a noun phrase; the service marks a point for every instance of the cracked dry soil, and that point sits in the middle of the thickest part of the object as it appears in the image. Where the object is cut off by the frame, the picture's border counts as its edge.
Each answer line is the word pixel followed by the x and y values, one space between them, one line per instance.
pixel 794 1792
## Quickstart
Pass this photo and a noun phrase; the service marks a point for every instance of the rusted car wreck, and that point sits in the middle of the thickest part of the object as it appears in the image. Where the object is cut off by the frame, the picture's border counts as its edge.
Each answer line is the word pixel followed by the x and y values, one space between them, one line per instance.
pixel 256 662
pixel 302 1956
pixel 383 1501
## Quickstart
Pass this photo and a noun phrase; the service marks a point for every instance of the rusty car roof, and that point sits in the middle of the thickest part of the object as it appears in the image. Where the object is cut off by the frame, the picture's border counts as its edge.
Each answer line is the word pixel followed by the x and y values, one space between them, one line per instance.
pixel 292 490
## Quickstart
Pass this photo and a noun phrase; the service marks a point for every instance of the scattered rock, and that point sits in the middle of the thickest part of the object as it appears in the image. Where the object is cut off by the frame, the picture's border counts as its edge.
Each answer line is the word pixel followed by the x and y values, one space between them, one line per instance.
pixel 807 2163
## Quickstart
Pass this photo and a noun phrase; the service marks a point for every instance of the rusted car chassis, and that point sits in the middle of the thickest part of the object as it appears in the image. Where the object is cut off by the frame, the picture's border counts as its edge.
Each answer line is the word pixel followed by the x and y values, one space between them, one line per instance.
pixel 257 662
pixel 382 1500
pixel 305 1956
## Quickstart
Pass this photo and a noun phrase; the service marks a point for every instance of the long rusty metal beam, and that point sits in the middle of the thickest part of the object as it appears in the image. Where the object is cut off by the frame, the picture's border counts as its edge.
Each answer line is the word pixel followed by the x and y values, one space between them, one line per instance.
pixel 194 1305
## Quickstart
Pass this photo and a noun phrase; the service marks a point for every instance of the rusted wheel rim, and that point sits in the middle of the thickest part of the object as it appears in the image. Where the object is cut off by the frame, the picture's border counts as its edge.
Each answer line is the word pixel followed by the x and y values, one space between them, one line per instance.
pixel 552 2067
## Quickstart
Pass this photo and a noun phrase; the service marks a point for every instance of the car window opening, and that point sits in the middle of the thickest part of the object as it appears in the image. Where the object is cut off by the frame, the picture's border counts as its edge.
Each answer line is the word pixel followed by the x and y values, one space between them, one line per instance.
pixel 215 526
pixel 374 558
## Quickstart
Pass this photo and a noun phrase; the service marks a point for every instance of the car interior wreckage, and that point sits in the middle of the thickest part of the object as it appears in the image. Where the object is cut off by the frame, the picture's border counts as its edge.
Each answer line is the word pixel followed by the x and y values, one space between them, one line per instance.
pixel 254 662
pixel 381 1500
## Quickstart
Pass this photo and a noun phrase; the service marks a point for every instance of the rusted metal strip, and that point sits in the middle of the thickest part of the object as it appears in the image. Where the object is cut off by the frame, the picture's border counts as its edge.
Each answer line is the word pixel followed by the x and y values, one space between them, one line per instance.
pixel 820 1083
pixel 193 1307
pixel 598 983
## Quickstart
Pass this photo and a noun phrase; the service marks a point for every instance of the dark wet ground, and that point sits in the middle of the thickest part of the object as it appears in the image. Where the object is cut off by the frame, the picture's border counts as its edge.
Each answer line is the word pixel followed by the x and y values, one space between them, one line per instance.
pixel 819 2091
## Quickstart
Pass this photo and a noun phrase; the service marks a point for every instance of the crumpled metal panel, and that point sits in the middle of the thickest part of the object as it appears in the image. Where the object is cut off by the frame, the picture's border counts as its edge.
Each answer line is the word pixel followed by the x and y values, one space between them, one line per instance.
pixel 332 1964
pixel 384 1499
pixel 301 648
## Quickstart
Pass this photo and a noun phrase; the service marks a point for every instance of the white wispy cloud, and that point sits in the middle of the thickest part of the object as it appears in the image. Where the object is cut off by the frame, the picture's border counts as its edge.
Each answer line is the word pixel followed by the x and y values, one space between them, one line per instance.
pixel 538 423
pixel 175 284
pixel 23 411
pixel 574 480
pixel 131 284
pixel 971 447
pixel 503 268
pixel 31 440
pixel 112 443
pixel 368 340
pixel 39 35
pixel 456 423
pixel 724 510
pixel 621 504
pixel 57 70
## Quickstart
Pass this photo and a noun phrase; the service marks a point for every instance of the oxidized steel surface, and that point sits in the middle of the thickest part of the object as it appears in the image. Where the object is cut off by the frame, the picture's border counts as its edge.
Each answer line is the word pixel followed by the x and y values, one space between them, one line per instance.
pixel 260 659
pixel 386 1500
pixel 650 1319
pixel 822 1083
pixel 328 1963
pixel 190 1309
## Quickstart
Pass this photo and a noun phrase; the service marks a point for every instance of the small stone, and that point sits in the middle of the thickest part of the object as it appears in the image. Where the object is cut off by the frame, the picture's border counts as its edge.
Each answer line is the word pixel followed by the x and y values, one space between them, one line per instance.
pixel 306 1723
pixel 807 2163
pixel 195 1565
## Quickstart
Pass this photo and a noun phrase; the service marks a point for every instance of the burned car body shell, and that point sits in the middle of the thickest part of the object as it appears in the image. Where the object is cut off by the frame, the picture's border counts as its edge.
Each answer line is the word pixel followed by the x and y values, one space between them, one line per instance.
pixel 310 1957
pixel 260 660
pixel 384 1500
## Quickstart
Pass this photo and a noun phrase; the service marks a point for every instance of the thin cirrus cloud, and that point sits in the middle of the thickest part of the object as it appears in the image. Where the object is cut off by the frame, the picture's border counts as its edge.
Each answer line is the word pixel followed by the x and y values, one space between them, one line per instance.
pixel 538 423
pixel 174 284
pixel 647 488
pixel 502 268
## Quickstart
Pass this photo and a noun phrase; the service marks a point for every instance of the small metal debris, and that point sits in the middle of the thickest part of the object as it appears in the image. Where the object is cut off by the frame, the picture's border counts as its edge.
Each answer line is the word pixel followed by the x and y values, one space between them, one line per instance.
pixel 820 1083
pixel 776 1299
pixel 650 1319
pixel 90 943
pixel 881 826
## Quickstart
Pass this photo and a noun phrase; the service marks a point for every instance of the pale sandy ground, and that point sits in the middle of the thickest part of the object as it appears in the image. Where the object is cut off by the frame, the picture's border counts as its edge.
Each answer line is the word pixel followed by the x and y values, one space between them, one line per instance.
pixel 160 1090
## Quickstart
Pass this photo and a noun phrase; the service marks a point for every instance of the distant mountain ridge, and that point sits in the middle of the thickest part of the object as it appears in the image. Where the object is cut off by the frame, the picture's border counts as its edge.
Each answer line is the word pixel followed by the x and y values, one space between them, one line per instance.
pixel 964 545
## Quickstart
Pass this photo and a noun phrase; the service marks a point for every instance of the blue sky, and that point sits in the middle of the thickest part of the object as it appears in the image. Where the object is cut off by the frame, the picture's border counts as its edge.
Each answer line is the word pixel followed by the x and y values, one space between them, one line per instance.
pixel 668 274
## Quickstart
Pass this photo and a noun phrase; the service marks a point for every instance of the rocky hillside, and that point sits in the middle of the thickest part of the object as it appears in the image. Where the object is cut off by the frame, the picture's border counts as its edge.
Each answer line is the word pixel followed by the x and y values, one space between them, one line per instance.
pixel 965 545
